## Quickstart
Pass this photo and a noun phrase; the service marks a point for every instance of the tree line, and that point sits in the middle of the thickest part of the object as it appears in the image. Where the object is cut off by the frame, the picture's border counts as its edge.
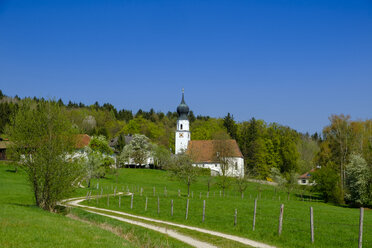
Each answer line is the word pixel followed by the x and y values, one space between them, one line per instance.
pixel 341 155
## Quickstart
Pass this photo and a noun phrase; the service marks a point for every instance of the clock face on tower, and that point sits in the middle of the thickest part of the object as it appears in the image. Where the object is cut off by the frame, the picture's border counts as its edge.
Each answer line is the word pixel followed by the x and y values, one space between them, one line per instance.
pixel 181 135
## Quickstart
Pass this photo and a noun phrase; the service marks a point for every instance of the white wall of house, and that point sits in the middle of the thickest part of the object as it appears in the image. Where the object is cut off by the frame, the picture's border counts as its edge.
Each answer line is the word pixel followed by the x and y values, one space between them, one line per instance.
pixel 305 181
pixel 236 168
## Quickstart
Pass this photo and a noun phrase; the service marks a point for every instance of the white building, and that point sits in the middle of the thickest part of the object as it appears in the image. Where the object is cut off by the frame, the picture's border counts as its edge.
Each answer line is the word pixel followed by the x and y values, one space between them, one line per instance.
pixel 220 156
pixel 305 179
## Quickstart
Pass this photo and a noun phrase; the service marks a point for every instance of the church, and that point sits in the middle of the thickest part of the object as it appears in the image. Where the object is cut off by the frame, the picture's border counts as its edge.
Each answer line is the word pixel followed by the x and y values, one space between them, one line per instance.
pixel 222 157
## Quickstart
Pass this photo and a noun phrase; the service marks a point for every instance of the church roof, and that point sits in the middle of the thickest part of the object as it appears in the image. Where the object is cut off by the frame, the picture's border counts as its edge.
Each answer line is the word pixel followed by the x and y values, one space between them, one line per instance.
pixel 208 150
pixel 182 109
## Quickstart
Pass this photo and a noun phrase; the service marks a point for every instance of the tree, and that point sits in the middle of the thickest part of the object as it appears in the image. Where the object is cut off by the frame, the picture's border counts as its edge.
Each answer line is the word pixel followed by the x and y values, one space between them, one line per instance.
pixel 327 182
pixel 241 184
pixel 137 150
pixel 183 169
pixel 291 183
pixel 222 151
pixel 162 156
pixel 42 137
pixel 93 164
pixel 358 177
pixel 230 125
pixel 100 144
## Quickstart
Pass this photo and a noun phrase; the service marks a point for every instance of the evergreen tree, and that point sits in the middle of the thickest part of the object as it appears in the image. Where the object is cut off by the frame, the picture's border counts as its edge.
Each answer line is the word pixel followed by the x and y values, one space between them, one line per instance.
pixel 230 125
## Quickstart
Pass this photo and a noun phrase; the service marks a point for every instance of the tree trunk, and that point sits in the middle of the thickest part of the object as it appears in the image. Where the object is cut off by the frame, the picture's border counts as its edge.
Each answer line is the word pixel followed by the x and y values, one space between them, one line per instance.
pixel 188 189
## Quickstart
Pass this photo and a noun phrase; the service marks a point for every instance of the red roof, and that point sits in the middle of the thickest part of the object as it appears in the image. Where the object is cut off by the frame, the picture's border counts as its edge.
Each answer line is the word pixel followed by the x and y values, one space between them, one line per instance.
pixel 82 140
pixel 208 150
pixel 307 174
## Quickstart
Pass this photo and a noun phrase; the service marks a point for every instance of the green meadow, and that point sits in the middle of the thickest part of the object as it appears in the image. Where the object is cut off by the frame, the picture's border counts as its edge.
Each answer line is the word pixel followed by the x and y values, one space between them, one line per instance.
pixel 22 224
pixel 335 226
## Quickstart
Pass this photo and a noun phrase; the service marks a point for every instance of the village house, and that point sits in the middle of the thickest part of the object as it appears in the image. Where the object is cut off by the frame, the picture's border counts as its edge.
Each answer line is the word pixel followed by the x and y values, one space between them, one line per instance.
pixel 305 179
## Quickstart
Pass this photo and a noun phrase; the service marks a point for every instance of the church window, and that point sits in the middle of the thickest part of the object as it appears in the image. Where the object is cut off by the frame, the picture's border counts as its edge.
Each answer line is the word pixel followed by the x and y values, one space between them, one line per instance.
pixel 181 126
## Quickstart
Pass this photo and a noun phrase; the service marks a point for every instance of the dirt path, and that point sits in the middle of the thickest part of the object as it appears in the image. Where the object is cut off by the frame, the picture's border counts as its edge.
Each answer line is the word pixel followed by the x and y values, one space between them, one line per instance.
pixel 75 203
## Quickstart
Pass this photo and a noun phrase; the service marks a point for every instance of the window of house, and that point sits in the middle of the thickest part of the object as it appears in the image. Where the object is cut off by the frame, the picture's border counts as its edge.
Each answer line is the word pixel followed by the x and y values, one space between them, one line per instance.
pixel 236 165
pixel 303 180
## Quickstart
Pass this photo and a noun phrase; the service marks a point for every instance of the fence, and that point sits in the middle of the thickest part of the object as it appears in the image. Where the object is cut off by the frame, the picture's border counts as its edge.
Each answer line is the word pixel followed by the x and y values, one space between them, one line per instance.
pixel 253 216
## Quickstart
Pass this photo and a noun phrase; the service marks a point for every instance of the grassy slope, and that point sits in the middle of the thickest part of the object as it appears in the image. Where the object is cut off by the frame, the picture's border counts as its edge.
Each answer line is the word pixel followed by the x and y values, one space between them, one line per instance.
pixel 24 225
pixel 335 226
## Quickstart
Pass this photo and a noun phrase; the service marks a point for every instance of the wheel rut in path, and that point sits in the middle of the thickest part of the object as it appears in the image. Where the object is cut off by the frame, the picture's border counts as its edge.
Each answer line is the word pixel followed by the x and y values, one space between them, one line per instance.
pixel 75 202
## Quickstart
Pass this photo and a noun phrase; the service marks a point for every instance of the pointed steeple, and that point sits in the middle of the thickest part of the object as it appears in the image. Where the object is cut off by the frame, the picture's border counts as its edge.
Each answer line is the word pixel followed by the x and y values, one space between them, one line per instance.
pixel 183 109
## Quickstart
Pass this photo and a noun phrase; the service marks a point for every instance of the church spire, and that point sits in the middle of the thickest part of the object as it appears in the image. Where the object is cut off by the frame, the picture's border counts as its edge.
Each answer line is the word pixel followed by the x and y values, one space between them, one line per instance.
pixel 183 109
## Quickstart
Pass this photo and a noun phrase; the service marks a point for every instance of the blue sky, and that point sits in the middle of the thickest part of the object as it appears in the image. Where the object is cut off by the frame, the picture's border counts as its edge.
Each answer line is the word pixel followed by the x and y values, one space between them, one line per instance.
pixel 291 62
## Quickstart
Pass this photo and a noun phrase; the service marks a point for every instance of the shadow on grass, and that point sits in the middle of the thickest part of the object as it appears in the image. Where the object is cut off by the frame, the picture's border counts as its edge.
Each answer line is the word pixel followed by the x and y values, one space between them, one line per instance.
pixel 13 171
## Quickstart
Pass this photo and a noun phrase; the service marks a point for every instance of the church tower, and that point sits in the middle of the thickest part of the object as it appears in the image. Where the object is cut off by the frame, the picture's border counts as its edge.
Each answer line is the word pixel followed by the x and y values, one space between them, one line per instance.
pixel 183 127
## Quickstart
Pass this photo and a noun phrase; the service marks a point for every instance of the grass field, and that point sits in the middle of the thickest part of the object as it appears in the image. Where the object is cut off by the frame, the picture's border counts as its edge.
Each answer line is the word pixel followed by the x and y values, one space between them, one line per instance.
pixel 24 225
pixel 334 226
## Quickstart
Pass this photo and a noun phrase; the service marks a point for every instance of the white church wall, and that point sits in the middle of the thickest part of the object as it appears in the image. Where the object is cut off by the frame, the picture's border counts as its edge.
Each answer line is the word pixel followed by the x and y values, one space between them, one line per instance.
pixel 235 170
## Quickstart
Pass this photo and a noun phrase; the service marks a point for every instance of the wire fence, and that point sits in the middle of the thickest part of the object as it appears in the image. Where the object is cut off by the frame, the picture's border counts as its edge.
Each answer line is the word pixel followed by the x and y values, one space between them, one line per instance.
pixel 331 229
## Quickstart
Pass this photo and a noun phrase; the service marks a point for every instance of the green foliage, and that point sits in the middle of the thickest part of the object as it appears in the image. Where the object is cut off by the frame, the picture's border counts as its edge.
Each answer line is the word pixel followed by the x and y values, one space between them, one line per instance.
pixel 327 182
pixel 182 168
pixel 138 150
pixel 41 138
pixel 206 129
pixel 93 164
pixel 100 144
pixel 230 126
pixel 358 178
pixel 162 156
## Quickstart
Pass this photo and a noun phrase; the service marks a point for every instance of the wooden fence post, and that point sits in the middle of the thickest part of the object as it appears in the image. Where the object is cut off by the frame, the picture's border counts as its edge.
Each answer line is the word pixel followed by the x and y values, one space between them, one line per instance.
pixel 141 191
pixel 108 200
pixel 242 195
pixel 254 214
pixel 172 208
pixel 208 194
pixel 203 210
pixel 158 205
pixel 236 217
pixel 187 208
pixel 119 201
pixel 115 192
pixel 360 241
pixel 312 224
pixel 131 202
pixel 281 219
pixel 146 204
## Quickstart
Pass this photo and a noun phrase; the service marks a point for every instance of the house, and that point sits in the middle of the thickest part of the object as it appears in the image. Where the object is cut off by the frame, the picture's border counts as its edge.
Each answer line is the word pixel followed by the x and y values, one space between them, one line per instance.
pixel 4 144
pixel 305 178
pixel 222 157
